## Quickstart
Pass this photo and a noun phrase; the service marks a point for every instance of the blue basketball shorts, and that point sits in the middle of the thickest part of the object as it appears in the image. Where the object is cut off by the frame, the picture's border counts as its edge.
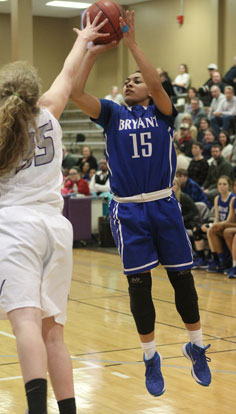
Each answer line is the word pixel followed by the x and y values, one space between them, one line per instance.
pixel 150 233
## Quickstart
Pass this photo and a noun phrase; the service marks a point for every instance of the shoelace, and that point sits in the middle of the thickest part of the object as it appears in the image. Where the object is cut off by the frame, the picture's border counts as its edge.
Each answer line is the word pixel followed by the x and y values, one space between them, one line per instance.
pixel 203 354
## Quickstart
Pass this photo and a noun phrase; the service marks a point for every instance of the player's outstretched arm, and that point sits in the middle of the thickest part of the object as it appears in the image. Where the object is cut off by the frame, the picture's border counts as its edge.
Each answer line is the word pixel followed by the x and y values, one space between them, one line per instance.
pixel 150 75
pixel 58 94
pixel 89 104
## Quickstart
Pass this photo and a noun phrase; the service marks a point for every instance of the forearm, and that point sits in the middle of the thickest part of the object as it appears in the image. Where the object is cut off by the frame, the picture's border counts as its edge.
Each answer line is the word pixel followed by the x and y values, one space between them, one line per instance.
pixel 82 75
pixel 75 57
pixel 102 188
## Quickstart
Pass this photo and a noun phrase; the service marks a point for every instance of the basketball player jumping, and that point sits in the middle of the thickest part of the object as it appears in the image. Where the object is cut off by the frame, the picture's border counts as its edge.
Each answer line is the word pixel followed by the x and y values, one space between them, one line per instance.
pixel 145 216
pixel 35 239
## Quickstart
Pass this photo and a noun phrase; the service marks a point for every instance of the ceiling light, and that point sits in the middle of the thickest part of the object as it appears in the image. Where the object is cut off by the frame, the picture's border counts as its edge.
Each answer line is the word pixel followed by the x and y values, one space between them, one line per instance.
pixel 3 0
pixel 68 4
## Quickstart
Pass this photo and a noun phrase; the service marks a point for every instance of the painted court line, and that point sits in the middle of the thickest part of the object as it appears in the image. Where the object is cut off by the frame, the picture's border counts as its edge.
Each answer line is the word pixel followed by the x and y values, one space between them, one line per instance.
pixel 7 334
pixel 10 378
pixel 117 374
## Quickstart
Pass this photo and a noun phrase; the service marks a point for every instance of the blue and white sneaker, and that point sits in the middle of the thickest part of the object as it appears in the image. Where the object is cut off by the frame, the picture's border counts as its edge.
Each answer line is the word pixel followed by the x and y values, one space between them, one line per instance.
pixel 227 271
pixel 232 273
pixel 215 267
pixel 200 263
pixel 200 370
pixel 154 380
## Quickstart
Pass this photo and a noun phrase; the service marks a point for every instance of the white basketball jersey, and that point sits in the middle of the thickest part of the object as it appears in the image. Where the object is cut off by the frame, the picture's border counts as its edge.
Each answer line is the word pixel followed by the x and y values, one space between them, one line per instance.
pixel 38 183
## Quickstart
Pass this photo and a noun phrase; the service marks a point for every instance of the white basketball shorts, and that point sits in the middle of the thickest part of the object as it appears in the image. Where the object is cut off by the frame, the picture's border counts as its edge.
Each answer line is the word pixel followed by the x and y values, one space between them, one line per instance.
pixel 35 261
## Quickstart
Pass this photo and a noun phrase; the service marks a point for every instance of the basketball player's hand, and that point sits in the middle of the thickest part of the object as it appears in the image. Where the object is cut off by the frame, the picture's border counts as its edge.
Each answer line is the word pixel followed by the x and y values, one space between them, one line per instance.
pixel 91 30
pixel 128 29
pixel 97 49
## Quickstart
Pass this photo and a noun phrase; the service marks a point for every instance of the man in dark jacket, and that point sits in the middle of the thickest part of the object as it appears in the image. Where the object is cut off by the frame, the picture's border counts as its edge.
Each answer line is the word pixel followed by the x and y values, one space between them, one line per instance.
pixel 218 167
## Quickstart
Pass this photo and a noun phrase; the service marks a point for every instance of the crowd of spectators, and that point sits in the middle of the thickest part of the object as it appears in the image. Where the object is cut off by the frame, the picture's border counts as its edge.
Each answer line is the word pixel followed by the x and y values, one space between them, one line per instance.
pixel 205 143
pixel 84 176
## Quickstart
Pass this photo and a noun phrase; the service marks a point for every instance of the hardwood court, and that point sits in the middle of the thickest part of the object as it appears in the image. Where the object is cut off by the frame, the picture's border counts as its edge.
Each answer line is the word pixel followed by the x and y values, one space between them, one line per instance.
pixel 107 358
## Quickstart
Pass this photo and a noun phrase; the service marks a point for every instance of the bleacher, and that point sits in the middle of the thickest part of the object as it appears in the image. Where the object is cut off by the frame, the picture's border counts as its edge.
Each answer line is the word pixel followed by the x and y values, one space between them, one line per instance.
pixel 74 121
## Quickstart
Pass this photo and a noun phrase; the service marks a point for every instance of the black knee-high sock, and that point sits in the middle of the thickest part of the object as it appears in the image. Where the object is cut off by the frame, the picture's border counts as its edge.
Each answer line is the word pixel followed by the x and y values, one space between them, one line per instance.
pixel 36 394
pixel 67 406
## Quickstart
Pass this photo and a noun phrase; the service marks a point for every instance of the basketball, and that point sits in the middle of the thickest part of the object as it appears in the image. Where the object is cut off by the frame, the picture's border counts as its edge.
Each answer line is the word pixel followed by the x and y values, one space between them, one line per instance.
pixel 111 11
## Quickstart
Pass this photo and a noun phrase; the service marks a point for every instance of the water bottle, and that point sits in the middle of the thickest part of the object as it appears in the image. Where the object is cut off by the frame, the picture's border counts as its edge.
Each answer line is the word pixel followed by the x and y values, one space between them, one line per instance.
pixel 75 189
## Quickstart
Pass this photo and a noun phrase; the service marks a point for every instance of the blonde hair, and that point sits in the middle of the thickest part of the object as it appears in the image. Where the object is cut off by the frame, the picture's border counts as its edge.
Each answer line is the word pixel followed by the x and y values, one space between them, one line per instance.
pixel 19 93
pixel 187 116
pixel 178 191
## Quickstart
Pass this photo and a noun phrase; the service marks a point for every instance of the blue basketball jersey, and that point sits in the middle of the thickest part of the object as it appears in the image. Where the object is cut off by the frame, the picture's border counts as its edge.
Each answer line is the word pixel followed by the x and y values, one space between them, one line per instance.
pixel 139 148
pixel 223 207
pixel 234 204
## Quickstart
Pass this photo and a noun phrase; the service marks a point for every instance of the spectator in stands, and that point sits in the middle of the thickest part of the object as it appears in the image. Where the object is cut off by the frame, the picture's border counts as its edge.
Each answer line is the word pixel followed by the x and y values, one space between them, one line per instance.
pixel 227 228
pixel 161 70
pixel 183 137
pixel 218 81
pixel 75 184
pixel 205 92
pixel 198 167
pixel 217 96
pixel 99 184
pixel 186 118
pixel 227 147
pixel 207 142
pixel 192 93
pixel 203 126
pixel 222 205
pixel 225 113
pixel 218 167
pixel 230 76
pixel 182 80
pixel 197 112
pixel 67 160
pixel 191 187
pixel 229 233
pixel 188 208
pixel 205 88
pixel 167 85
pixel 115 96
pixel 92 171
pixel 84 171
pixel 87 156
pixel 182 160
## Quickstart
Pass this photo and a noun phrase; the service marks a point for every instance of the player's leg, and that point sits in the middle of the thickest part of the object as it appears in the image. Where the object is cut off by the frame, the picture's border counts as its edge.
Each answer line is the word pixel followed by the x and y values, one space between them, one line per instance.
pixel 229 234
pixel 215 239
pixel 131 233
pixel 59 366
pixel 26 324
pixel 200 262
pixel 186 301
pixel 55 289
pixel 143 311
pixel 230 238
pixel 174 251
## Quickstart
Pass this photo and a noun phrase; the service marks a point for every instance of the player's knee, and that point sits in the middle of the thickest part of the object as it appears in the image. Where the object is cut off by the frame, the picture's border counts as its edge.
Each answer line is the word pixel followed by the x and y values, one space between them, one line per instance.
pixel 228 233
pixel 186 298
pixel 141 304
